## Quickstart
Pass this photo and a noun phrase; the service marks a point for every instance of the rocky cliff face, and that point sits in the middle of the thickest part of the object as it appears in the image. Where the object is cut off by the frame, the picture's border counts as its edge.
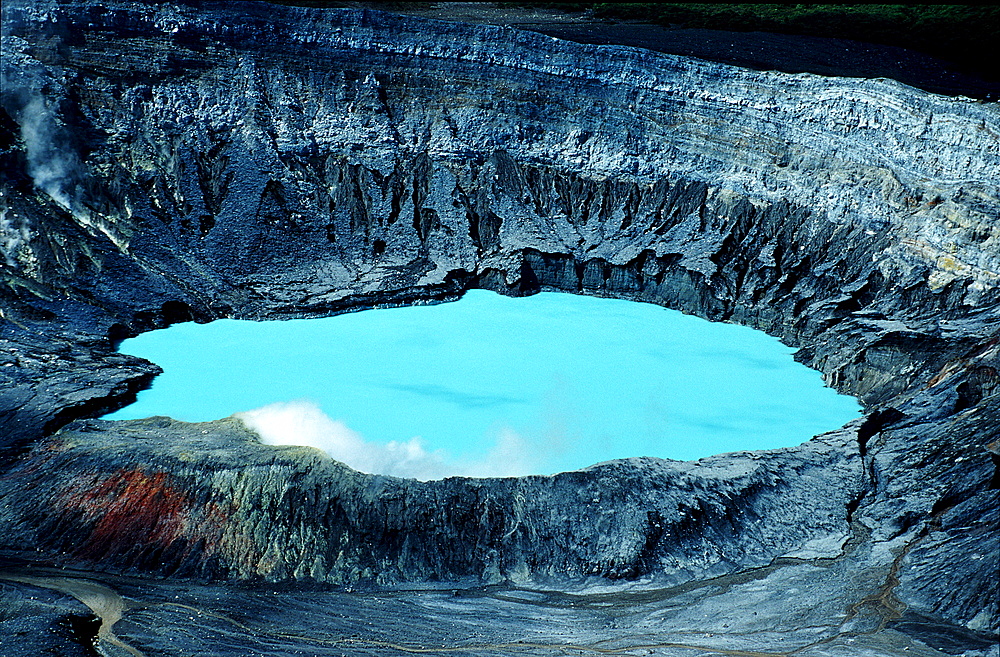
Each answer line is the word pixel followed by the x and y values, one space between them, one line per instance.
pixel 237 509
pixel 167 164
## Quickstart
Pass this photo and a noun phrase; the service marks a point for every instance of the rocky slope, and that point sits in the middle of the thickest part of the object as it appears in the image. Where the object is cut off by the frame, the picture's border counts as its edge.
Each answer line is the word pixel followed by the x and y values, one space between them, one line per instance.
pixel 167 164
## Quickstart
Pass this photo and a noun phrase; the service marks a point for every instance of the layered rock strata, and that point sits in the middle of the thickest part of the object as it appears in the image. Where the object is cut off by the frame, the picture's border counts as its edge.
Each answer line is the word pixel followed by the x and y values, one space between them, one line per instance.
pixel 167 164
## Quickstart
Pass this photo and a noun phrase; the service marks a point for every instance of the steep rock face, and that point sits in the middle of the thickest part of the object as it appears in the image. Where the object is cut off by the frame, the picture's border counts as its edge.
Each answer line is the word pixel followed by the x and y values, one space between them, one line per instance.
pixel 167 164
pixel 243 510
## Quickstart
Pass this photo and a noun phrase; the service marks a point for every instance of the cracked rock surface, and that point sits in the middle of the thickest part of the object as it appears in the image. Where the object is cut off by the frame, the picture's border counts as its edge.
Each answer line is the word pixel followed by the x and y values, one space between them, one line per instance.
pixel 171 163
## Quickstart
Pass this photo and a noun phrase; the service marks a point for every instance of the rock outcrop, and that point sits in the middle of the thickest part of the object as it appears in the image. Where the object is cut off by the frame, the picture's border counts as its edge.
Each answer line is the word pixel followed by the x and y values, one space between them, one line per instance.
pixel 166 163
pixel 208 500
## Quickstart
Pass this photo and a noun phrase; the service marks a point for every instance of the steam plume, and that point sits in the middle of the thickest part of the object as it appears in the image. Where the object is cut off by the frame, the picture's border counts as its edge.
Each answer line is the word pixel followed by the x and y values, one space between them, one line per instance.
pixel 54 169
pixel 304 423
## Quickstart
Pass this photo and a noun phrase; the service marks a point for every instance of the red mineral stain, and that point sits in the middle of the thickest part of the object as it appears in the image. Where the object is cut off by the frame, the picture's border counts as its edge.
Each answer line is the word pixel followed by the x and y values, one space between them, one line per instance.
pixel 132 510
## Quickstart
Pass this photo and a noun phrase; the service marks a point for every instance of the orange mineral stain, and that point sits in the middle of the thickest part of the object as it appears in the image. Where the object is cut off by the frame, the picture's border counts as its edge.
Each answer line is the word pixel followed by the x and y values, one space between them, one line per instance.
pixel 136 511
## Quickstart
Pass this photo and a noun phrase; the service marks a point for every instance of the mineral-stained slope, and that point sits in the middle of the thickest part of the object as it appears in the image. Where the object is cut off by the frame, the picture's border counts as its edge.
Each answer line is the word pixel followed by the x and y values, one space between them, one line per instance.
pixel 166 164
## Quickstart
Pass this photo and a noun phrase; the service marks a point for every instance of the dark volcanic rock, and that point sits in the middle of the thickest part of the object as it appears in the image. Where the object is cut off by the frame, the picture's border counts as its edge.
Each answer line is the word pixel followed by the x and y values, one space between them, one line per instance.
pixel 166 164
pixel 767 51
pixel 36 621
pixel 208 499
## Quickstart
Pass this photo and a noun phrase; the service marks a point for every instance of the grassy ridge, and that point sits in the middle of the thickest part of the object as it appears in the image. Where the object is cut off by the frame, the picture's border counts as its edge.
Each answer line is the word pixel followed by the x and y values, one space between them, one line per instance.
pixel 966 34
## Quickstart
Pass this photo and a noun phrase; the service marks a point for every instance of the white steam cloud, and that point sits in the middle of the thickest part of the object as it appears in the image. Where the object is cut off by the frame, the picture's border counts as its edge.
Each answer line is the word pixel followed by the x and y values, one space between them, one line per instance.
pixel 14 232
pixel 304 423
pixel 52 162
pixel 53 169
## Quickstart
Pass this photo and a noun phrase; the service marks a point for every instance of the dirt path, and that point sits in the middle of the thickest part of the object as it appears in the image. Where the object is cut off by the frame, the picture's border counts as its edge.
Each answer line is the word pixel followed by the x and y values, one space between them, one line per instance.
pixel 105 602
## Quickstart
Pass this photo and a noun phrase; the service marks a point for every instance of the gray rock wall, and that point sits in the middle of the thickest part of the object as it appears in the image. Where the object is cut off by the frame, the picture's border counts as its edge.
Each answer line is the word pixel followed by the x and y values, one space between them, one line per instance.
pixel 165 164
pixel 139 497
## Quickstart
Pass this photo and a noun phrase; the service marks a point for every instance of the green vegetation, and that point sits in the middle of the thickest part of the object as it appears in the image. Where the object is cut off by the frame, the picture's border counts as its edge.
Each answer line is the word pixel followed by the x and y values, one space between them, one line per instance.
pixel 965 34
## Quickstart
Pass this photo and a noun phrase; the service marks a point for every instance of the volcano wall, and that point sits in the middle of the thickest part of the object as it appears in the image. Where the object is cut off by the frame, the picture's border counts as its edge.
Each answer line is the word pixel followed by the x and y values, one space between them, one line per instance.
pixel 167 164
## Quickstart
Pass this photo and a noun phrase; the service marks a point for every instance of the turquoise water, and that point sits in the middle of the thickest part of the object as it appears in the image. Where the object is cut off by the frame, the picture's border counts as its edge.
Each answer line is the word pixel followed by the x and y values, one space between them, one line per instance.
pixel 493 386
